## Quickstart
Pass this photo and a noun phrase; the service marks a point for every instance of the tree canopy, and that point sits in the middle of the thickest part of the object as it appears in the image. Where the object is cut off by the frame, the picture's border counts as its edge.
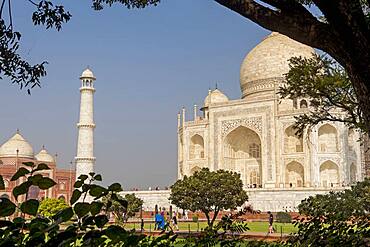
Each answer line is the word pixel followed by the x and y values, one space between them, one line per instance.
pixel 51 206
pixel 209 191
pixel 327 88
pixel 335 219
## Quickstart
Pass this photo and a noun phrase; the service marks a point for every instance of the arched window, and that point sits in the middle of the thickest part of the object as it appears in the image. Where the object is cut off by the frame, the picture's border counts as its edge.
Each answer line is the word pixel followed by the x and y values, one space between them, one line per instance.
pixel 196 147
pixel 294 174
pixel 303 104
pixel 292 142
pixel 254 150
pixel 328 139
pixel 62 185
pixel 5 196
pixel 329 174
pixel 62 197
pixel 254 178
pixel 1 162
pixel 194 170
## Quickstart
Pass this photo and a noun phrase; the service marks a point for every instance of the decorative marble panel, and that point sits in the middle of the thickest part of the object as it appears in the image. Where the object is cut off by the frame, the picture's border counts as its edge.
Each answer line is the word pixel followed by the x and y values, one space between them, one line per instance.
pixel 255 123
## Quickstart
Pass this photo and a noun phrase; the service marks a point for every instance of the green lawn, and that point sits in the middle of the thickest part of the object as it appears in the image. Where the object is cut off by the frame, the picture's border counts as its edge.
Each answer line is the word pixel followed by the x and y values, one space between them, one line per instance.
pixel 253 226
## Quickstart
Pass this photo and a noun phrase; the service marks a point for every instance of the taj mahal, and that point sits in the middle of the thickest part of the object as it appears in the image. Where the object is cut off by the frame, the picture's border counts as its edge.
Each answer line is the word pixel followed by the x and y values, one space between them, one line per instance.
pixel 255 137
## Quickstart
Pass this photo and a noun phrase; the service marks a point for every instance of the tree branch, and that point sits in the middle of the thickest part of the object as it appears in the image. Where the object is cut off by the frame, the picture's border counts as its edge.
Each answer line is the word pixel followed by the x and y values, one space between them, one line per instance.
pixel 1 9
pixel 286 20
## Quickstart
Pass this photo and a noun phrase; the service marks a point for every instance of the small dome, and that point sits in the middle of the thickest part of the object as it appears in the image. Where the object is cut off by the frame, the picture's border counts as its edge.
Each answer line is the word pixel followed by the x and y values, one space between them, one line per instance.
pixel 17 142
pixel 87 73
pixel 44 156
pixel 215 96
pixel 269 60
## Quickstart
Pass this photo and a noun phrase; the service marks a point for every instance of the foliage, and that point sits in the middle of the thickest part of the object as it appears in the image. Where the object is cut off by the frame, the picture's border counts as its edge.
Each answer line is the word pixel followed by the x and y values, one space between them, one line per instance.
pixel 123 208
pixel 329 90
pixel 134 204
pixel 88 227
pixel 283 217
pixel 51 206
pixel 12 65
pixel 335 219
pixel 195 218
pixel 209 191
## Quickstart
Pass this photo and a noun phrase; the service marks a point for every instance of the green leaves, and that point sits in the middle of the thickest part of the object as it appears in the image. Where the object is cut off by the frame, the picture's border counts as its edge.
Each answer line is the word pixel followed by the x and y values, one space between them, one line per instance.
pixel 101 220
pixel 95 207
pixel 97 190
pixel 46 183
pixel 7 208
pixel 116 187
pixel 21 189
pixel 81 208
pixel 20 173
pixel 209 192
pixel 75 196
pixel 64 215
pixel 41 167
pixel 30 207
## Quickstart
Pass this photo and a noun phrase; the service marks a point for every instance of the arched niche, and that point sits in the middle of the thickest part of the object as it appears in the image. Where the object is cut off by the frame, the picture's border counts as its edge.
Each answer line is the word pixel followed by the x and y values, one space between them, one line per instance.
pixel 62 197
pixel 352 173
pixel 329 174
pixel 196 150
pixel 242 153
pixel 303 104
pixel 194 170
pixel 292 142
pixel 5 196
pixel 294 174
pixel 328 139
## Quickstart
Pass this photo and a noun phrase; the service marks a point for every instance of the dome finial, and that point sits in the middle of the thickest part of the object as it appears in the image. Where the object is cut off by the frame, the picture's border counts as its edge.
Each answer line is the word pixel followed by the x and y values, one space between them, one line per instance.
pixel 216 86
pixel 87 73
pixel 17 131
pixel 43 146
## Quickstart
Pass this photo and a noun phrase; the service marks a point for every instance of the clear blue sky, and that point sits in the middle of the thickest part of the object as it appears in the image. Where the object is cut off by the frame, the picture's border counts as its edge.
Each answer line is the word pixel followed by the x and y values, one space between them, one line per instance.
pixel 148 63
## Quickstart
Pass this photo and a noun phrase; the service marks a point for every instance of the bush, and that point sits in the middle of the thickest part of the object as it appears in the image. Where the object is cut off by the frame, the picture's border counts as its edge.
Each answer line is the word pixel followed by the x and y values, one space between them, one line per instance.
pixel 283 217
pixel 51 206
pixel 195 218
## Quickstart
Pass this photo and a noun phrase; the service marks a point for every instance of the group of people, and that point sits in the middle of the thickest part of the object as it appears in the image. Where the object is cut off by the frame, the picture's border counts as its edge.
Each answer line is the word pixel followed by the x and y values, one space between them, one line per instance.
pixel 163 221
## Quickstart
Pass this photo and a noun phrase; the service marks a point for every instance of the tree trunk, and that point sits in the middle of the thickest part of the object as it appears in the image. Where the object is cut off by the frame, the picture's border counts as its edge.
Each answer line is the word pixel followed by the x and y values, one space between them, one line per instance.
pixel 214 216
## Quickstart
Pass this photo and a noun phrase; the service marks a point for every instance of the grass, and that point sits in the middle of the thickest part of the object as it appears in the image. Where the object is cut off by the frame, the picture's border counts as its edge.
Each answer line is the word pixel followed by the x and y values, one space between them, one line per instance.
pixel 193 226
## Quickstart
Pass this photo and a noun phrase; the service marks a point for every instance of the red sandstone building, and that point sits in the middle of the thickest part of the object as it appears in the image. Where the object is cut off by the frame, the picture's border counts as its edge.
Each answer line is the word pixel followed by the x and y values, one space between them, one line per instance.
pixel 17 150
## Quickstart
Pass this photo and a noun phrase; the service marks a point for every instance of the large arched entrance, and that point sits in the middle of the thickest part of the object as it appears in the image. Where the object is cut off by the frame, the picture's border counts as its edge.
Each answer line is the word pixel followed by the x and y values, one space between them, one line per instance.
pixel 242 153
pixel 329 174
pixel 294 174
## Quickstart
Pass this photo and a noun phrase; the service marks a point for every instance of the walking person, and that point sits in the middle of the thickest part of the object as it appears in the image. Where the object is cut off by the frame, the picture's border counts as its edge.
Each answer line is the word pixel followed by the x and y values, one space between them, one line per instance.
pixel 174 222
pixel 271 221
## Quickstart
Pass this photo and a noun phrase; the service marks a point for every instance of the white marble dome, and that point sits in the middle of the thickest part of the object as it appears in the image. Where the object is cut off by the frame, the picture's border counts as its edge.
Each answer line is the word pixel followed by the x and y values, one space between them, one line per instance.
pixel 16 142
pixel 44 156
pixel 87 73
pixel 269 60
pixel 215 96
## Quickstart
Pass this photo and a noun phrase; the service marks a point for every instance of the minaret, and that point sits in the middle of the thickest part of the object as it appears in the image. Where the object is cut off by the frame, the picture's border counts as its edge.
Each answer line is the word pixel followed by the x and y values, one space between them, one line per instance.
pixel 85 159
